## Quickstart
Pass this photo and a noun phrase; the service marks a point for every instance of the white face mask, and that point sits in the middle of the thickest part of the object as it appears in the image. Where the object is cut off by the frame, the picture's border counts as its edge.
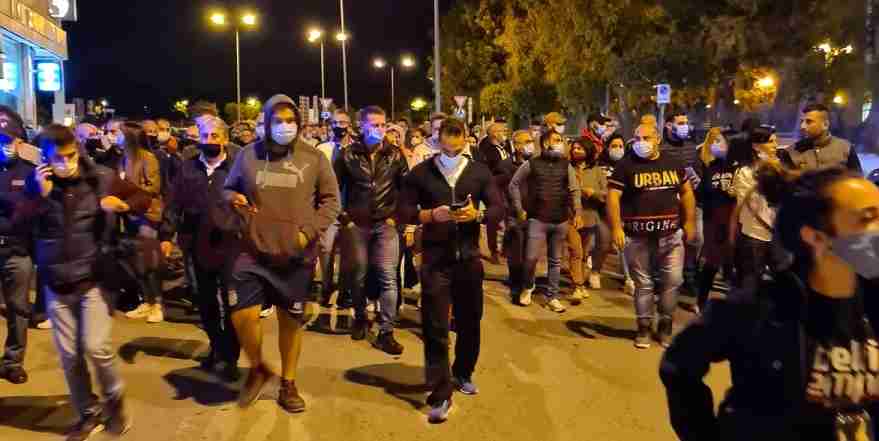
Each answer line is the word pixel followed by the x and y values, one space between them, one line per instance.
pixel 615 154
pixel 284 134
pixel 260 132
pixel 718 150
pixel 643 149
pixel 682 131
pixel 450 162
pixel 65 170
pixel 528 149
pixel 560 129
pixel 163 137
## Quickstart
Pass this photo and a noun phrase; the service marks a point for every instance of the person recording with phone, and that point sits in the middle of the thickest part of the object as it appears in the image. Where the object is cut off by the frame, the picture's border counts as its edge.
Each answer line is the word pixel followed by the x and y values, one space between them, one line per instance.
pixel 441 194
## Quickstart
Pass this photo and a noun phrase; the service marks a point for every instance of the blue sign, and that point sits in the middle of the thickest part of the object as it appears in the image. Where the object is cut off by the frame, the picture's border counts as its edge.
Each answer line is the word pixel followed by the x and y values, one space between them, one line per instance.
pixel 48 77
pixel 663 94
pixel 325 115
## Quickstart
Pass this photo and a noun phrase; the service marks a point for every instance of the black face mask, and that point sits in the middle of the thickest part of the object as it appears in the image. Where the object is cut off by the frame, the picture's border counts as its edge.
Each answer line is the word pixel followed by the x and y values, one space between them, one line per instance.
pixel 210 151
pixel 340 132
pixel 152 141
pixel 92 145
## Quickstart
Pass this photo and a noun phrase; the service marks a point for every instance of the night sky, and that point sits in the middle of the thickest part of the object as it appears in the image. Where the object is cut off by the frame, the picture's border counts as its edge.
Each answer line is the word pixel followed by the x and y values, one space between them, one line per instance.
pixel 152 52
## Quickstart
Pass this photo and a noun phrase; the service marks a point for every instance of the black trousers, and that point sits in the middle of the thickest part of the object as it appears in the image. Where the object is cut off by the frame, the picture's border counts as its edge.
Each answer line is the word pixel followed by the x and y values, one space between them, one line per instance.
pixel 751 260
pixel 459 286
pixel 211 291
pixel 515 239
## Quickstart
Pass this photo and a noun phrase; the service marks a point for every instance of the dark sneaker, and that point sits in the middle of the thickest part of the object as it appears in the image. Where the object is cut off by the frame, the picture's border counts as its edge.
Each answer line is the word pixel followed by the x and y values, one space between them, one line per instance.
pixel 358 331
pixel 118 419
pixel 289 398
pixel 85 428
pixel 664 332
pixel 642 339
pixel 466 386
pixel 229 372
pixel 253 387
pixel 387 343
pixel 14 374
pixel 439 412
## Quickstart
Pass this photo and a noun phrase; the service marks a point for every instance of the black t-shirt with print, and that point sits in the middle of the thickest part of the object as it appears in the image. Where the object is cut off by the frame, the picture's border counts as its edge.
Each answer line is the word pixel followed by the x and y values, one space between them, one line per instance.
pixel 843 355
pixel 714 189
pixel 650 203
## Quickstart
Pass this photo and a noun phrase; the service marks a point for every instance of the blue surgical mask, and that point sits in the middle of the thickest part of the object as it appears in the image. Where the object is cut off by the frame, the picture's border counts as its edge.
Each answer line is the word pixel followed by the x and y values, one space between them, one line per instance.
pixel 600 130
pixel 373 136
pixel 284 133
pixel 643 149
pixel 860 251
pixel 719 150
pixel 450 162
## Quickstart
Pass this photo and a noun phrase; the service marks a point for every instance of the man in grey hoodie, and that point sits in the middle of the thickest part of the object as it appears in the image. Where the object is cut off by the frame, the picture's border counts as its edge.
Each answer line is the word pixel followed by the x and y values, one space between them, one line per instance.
pixel 287 195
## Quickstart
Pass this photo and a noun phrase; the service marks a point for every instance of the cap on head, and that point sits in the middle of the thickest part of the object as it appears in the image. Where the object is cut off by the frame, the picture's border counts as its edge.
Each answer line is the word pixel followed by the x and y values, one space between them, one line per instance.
pixel 554 119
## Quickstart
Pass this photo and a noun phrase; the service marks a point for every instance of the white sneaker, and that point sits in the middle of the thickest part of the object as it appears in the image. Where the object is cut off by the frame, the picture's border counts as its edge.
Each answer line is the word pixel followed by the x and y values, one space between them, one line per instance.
pixel 595 281
pixel 156 315
pixel 555 305
pixel 589 263
pixel 525 297
pixel 45 324
pixel 629 287
pixel 576 295
pixel 140 312
pixel 265 313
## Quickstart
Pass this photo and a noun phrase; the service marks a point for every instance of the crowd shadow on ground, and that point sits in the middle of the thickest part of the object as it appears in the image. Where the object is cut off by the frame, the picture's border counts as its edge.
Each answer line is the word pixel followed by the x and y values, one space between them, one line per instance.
pixel 181 349
pixel 48 414
pixel 399 380
pixel 203 388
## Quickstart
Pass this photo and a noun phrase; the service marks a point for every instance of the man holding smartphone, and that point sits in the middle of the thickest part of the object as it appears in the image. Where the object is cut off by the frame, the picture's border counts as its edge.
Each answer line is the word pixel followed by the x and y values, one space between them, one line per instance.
pixel 442 194
pixel 16 267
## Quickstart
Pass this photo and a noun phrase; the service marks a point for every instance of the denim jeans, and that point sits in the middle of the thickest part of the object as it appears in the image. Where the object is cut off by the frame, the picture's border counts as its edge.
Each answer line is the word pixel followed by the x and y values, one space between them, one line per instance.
pixel 15 273
pixel 555 237
pixel 375 248
pixel 327 258
pixel 602 246
pixel 81 327
pixel 663 256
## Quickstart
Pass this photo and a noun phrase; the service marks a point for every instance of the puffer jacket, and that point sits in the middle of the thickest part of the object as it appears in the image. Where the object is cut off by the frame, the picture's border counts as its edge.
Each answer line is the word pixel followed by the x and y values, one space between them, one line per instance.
pixel 71 230
pixel 370 186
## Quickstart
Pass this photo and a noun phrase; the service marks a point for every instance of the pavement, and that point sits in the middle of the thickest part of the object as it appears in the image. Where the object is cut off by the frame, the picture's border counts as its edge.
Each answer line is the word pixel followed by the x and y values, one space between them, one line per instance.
pixel 542 376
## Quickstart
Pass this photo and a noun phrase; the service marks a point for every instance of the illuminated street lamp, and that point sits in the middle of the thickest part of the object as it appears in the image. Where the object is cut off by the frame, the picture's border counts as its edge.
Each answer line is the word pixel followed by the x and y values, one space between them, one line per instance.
pixel 316 35
pixel 418 104
pixel 766 82
pixel 248 20
pixel 253 102
pixel 407 62
pixel 839 99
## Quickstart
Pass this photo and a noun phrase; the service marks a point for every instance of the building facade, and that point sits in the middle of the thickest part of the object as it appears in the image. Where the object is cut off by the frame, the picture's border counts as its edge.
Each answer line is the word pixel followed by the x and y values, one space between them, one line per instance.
pixel 29 35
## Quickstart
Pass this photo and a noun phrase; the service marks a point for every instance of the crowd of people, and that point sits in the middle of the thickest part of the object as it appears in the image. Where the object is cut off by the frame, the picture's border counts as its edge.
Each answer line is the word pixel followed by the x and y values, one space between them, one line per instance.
pixel 366 208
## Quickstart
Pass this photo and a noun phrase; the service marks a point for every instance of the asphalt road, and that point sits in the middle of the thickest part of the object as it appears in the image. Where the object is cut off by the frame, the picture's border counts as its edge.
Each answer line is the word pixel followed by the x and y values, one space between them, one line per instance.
pixel 543 376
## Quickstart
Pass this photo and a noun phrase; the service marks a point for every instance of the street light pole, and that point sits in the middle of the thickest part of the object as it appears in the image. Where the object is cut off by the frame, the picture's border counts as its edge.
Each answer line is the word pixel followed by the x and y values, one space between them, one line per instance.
pixel 393 96
pixel 323 74
pixel 238 72
pixel 436 57
pixel 344 52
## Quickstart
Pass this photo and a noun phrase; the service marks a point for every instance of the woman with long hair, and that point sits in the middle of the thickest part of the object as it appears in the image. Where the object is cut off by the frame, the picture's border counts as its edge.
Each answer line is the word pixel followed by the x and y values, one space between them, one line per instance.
pixel 717 206
pixel 141 167
pixel 803 357
pixel 753 217
pixel 615 149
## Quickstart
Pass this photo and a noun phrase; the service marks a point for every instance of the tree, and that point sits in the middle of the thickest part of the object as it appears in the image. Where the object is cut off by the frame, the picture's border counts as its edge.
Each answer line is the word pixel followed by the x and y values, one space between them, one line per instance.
pixel 497 100
pixel 248 111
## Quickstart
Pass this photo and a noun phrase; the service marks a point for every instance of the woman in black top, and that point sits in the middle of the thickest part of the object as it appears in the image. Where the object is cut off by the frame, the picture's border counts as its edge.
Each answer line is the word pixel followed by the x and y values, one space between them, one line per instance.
pixel 615 149
pixel 713 194
pixel 804 359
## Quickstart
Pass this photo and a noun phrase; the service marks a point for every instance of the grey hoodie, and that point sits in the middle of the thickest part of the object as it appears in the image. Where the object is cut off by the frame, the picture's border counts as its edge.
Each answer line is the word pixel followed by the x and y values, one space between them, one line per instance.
pixel 298 186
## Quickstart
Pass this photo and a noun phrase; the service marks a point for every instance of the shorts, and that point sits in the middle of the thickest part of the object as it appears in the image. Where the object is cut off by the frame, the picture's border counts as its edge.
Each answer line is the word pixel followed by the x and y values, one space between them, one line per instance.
pixel 253 284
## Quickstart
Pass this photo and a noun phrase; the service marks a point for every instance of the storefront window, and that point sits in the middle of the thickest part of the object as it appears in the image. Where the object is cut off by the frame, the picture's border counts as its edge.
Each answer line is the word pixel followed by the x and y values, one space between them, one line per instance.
pixel 10 85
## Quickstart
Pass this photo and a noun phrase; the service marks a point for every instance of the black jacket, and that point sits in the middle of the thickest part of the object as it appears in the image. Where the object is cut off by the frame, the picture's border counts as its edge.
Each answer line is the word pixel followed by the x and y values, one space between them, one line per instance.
pixel 426 188
pixel 14 227
pixel 71 229
pixel 765 346
pixel 370 186
pixel 494 156
pixel 684 151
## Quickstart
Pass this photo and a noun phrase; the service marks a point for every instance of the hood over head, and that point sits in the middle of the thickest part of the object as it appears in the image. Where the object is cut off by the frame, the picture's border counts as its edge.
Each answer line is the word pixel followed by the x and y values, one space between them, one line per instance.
pixel 268 110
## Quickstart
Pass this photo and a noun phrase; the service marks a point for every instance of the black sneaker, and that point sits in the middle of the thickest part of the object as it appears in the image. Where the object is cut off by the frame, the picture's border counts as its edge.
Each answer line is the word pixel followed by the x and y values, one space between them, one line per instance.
pixel 387 343
pixel 358 331
pixel 118 419
pixel 664 332
pixel 289 398
pixel 14 374
pixel 85 428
